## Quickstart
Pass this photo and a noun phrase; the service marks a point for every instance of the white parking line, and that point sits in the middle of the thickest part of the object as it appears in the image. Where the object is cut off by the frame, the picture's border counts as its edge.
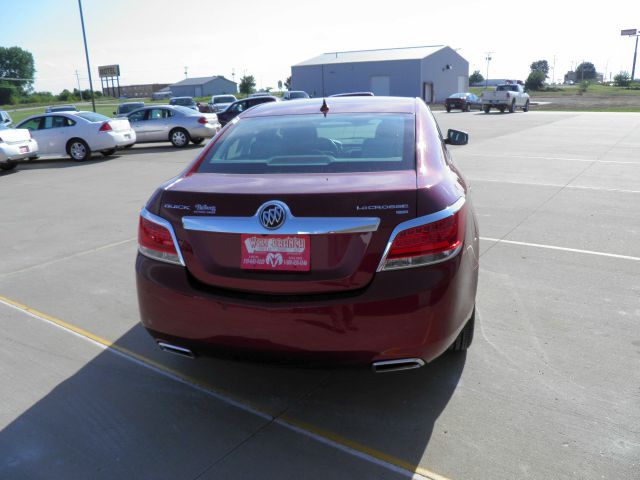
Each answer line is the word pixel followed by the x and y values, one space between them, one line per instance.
pixel 534 157
pixel 558 185
pixel 564 249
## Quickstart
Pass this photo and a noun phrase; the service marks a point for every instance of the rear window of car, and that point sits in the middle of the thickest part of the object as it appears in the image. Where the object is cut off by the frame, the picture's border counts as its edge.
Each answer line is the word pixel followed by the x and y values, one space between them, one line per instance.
pixel 129 107
pixel 298 95
pixel 93 117
pixel 182 101
pixel 315 144
pixel 224 99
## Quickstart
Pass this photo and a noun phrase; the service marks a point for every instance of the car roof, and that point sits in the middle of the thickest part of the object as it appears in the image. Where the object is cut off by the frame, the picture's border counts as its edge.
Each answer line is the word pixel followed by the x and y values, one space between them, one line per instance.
pixel 337 105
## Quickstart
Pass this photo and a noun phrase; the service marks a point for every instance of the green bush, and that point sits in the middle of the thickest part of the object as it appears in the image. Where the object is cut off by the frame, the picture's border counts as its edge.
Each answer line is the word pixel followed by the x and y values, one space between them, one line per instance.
pixel 622 79
pixel 584 85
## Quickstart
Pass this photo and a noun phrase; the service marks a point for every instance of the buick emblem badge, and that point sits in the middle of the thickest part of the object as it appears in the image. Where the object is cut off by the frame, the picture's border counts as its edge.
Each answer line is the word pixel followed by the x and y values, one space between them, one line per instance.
pixel 272 215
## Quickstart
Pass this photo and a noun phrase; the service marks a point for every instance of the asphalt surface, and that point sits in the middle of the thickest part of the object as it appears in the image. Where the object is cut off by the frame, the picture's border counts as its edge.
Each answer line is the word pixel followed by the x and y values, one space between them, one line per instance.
pixel 549 389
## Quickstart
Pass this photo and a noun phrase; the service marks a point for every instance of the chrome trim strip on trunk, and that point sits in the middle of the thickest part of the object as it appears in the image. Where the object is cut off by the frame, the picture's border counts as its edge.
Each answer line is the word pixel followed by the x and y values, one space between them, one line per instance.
pixel 416 222
pixel 291 226
pixel 144 213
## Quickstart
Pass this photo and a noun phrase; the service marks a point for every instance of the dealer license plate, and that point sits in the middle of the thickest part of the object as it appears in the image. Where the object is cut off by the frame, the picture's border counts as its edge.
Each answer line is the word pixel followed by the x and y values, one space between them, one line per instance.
pixel 276 252
pixel 24 149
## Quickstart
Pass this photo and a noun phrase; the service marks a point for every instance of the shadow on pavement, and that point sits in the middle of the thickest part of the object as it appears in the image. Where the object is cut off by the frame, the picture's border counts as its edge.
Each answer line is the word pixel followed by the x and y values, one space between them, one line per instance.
pixel 115 419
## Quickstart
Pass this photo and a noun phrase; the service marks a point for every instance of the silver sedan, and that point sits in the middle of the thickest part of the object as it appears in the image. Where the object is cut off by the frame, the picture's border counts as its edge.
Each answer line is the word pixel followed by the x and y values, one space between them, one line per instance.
pixel 175 124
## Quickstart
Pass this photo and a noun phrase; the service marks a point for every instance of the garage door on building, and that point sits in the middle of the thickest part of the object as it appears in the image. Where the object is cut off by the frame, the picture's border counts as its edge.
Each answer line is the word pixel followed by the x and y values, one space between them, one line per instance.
pixel 380 85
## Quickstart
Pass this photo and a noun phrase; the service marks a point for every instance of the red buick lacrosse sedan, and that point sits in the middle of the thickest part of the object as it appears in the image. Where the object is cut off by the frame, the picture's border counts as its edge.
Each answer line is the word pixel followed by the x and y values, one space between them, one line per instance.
pixel 331 231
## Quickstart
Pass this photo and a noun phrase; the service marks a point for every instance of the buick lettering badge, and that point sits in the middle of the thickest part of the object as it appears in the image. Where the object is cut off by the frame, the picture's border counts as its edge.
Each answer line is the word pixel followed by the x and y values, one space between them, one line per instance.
pixel 272 216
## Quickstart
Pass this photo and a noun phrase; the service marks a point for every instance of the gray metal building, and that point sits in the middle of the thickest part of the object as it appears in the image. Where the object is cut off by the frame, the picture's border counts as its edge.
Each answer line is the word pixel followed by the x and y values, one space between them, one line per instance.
pixel 432 73
pixel 203 86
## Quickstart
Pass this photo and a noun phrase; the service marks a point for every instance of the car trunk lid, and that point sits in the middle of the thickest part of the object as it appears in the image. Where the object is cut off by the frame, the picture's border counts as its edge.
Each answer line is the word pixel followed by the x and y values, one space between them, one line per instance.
pixel 344 221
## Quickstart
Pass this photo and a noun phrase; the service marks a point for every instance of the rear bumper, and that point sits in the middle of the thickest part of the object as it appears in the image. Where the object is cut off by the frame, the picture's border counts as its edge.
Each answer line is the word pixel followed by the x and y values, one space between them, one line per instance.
pixel 206 131
pixel 114 140
pixel 415 313
pixel 11 152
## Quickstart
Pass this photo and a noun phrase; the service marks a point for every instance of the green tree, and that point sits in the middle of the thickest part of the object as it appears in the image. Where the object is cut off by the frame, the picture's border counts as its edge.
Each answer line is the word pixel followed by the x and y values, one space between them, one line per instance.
pixel 476 78
pixel 17 63
pixel 535 81
pixel 541 66
pixel 65 95
pixel 586 71
pixel 622 79
pixel 287 83
pixel 8 94
pixel 247 84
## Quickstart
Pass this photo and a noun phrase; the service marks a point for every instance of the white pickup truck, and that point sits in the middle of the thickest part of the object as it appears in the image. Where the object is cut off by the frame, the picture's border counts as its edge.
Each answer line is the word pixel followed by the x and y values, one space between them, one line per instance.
pixel 505 97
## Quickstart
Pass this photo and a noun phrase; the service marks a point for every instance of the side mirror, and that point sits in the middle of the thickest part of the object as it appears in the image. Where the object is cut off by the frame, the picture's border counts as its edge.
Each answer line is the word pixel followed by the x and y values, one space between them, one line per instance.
pixel 456 137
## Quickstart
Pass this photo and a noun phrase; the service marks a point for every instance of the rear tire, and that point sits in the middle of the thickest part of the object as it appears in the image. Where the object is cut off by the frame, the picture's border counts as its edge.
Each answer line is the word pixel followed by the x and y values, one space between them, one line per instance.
pixel 526 107
pixel 448 109
pixel 108 153
pixel 8 165
pixel 179 137
pixel 486 109
pixel 512 107
pixel 463 342
pixel 197 141
pixel 502 109
pixel 78 150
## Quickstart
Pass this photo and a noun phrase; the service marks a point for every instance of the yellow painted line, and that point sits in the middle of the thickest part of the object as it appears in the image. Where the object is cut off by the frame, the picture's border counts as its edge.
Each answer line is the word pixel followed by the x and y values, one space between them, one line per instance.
pixel 309 430
pixel 358 447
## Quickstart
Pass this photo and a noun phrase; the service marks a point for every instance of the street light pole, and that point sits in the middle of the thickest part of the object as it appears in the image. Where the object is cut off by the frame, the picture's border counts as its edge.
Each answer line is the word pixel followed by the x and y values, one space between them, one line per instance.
pixel 86 53
pixel 488 59
pixel 632 32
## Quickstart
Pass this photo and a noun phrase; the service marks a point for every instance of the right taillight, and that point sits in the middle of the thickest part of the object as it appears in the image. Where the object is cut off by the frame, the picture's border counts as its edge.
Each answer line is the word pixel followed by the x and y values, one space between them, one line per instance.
pixel 156 239
pixel 427 243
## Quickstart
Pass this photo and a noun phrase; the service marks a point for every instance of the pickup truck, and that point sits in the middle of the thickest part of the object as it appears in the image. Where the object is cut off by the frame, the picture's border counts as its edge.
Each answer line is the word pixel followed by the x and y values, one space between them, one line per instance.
pixel 508 96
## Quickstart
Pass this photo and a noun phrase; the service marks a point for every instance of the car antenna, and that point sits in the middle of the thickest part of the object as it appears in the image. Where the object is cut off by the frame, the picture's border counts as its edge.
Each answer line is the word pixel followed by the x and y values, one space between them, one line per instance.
pixel 324 108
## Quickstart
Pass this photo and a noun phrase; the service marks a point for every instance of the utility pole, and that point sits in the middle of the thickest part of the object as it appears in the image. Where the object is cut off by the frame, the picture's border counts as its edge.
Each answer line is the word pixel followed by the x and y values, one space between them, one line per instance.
pixel 488 59
pixel 79 89
pixel 86 53
pixel 553 71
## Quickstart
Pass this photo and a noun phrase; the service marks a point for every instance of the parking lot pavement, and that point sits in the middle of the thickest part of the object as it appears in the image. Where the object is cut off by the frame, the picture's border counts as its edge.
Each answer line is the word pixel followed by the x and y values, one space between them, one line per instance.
pixel 548 390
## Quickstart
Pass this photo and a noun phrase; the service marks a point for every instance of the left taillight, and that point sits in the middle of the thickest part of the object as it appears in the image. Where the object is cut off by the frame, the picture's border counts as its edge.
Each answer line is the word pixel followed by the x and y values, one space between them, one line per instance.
pixel 426 243
pixel 105 127
pixel 156 239
pixel 202 120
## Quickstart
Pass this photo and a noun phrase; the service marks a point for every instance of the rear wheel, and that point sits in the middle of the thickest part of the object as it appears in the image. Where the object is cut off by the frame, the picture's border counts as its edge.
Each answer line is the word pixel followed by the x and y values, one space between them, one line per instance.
pixel 448 109
pixel 526 107
pixel 486 109
pixel 197 141
pixel 502 109
pixel 463 342
pixel 108 153
pixel 512 107
pixel 179 138
pixel 8 165
pixel 78 150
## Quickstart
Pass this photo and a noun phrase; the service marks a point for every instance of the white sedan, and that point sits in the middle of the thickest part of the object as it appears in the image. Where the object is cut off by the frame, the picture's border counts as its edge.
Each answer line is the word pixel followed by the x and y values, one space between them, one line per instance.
pixel 78 134
pixel 15 144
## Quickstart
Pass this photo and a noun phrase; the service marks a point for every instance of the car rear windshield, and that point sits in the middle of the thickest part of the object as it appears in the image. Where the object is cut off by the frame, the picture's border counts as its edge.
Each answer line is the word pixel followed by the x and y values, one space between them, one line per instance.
pixel 315 144
pixel 458 95
pixel 93 117
pixel 298 95
pixel 185 110
pixel 183 101
pixel 224 99
pixel 507 88
pixel 129 107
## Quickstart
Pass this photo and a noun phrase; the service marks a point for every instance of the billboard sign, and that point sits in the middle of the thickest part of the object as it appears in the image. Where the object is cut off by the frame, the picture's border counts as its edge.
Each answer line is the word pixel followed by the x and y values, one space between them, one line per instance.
pixel 109 71
pixel 630 31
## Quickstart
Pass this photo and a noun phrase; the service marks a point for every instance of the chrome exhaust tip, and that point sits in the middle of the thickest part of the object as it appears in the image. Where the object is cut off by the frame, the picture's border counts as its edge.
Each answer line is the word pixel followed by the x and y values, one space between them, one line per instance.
pixel 176 350
pixel 397 365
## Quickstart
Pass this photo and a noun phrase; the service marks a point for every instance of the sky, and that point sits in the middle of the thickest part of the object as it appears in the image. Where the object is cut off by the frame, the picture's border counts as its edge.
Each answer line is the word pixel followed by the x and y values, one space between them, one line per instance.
pixel 153 40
